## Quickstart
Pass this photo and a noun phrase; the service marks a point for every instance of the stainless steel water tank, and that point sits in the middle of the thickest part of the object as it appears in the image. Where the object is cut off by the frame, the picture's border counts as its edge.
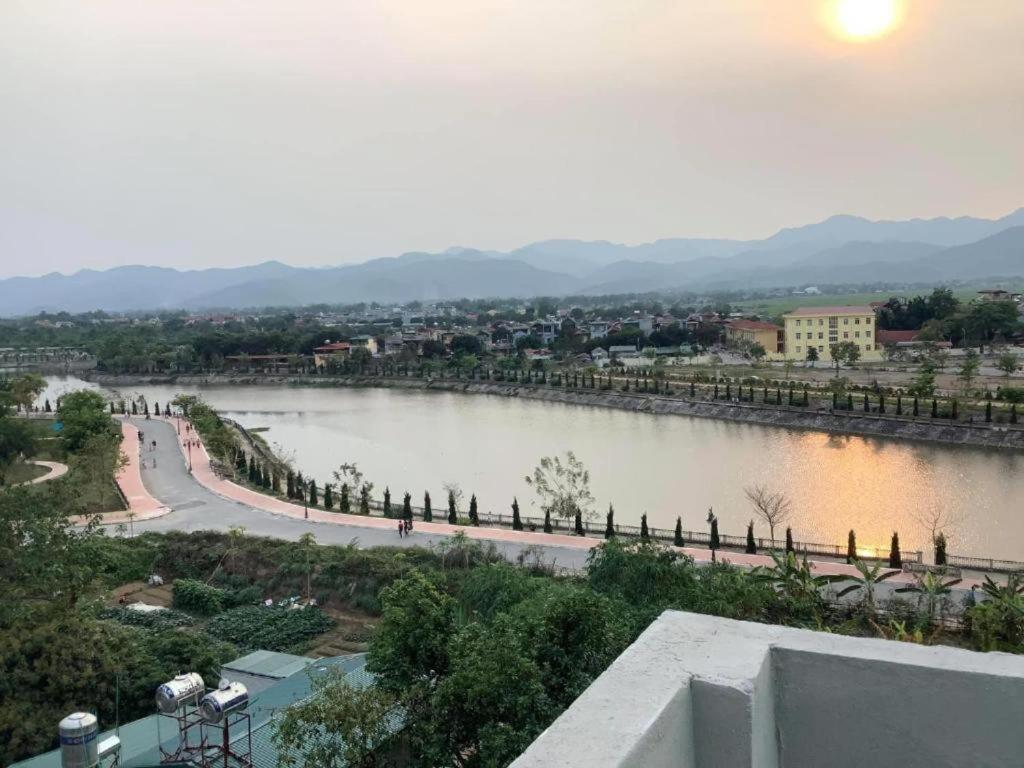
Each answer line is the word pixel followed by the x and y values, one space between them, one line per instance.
pixel 78 737
pixel 183 689
pixel 216 705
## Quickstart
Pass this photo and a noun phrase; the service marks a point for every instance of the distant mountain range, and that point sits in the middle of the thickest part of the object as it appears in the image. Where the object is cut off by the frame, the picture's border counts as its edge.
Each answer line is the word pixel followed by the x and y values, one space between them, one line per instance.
pixel 841 249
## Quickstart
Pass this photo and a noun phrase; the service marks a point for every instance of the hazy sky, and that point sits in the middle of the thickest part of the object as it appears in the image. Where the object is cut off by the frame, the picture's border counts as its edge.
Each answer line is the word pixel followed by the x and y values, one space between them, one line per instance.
pixel 206 132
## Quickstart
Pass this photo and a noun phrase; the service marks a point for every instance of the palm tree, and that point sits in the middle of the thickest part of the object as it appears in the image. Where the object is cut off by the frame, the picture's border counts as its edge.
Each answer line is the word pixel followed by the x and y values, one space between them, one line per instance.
pixel 870 577
pixel 931 588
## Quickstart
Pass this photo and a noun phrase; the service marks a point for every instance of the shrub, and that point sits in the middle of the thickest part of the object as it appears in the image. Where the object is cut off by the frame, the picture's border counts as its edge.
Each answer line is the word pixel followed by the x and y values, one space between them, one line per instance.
pixel 159 620
pixel 196 597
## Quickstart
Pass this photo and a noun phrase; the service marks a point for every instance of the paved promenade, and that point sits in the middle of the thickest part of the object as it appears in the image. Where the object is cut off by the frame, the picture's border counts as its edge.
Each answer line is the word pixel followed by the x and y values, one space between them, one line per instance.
pixel 54 469
pixel 200 500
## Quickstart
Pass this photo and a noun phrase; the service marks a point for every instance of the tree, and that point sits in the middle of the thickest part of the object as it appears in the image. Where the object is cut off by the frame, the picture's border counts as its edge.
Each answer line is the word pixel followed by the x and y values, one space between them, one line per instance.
pixel 715 543
pixel 678 539
pixel 851 547
pixel 25 389
pixel 412 638
pixel 291 485
pixel 757 353
pixel 16 443
pixel 774 507
pixel 407 506
pixel 387 501
pixel 1008 363
pixel 309 551
pixel 563 486
pixel 751 548
pixel 364 499
pixel 474 516
pixel 428 512
pixel 83 414
pixel 453 514
pixel 969 367
pixel 644 532
pixel 328 496
pixel 547 522
pixel 940 549
pixel 609 528
pixel 844 353
pixel 517 523
pixel 344 503
pixel 578 525
pixel 789 540
pixel 339 726
pixel 313 500
pixel 895 557
pixel 812 355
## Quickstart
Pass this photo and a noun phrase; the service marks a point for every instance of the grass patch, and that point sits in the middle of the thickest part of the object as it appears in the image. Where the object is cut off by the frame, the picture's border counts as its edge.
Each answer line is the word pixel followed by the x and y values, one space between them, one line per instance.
pixel 23 473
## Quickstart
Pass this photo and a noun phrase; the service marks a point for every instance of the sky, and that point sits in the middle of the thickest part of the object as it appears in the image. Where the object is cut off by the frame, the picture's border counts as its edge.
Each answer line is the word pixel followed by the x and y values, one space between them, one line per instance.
pixel 194 133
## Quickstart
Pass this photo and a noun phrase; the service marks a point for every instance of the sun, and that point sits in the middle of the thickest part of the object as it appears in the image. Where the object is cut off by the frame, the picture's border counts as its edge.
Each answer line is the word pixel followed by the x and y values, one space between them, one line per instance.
pixel 862 20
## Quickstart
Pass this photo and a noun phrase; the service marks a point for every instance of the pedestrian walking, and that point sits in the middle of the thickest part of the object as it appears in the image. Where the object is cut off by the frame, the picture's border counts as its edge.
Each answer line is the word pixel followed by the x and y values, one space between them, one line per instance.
pixel 401 529
pixel 408 527
pixel 154 446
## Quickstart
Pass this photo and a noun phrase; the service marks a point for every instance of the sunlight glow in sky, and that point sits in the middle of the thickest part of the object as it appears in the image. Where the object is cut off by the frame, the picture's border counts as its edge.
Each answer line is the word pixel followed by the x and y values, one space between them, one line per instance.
pixel 862 20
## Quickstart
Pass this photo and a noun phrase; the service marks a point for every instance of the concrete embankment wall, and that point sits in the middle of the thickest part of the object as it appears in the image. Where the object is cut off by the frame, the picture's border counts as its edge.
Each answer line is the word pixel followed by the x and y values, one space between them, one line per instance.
pixel 922 429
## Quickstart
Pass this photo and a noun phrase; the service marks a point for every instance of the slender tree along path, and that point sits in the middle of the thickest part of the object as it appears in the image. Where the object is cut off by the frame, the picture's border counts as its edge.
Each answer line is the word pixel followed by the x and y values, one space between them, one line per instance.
pixel 199 500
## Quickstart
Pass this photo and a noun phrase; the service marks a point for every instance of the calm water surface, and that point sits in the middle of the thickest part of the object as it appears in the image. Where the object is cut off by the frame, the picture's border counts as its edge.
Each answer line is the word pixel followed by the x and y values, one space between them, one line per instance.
pixel 662 465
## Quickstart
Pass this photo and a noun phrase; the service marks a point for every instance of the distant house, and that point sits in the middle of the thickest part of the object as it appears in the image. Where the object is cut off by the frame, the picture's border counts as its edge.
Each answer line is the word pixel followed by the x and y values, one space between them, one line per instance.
pixel 623 350
pixel 331 353
pixel 364 342
pixel 998 294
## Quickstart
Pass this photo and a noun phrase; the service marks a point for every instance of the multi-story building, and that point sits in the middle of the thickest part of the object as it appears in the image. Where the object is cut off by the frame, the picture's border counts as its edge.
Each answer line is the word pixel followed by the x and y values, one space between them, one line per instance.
pixel 821 327
pixel 741 333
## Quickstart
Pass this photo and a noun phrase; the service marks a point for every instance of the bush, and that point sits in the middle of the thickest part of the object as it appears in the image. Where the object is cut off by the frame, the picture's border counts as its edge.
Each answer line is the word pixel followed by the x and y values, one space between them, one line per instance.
pixel 196 597
pixel 272 629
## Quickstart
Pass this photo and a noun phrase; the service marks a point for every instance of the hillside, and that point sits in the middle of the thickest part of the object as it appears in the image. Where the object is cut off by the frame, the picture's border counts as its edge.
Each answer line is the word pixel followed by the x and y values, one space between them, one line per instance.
pixel 841 249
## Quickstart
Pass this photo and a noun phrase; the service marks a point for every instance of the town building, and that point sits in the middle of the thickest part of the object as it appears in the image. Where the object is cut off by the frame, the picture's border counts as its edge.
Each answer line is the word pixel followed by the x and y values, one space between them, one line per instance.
pixel 331 353
pixel 821 327
pixel 746 333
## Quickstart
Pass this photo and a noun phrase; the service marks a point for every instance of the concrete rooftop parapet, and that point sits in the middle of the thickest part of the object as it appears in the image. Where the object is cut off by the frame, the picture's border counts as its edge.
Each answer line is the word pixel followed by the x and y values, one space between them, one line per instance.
pixel 697 691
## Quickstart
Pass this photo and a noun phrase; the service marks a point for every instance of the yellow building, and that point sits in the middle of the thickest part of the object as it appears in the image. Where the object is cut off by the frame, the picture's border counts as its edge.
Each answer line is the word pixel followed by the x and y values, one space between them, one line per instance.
pixel 746 333
pixel 821 327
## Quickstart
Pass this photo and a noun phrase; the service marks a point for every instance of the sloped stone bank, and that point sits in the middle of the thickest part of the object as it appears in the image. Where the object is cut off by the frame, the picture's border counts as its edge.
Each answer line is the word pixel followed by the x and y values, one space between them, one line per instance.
pixel 921 429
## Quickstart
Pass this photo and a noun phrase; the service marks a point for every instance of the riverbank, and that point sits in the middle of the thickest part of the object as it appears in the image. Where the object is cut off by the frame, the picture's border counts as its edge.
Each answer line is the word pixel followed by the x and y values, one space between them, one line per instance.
pixel 922 429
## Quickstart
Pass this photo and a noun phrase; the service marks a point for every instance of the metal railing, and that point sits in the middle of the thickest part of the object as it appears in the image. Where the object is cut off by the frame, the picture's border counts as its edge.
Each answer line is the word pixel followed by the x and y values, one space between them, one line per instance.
pixel 597 529
pixel 985 564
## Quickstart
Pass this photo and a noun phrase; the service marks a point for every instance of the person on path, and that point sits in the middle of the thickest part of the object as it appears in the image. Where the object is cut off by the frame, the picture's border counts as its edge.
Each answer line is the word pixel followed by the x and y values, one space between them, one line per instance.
pixel 408 527
pixel 154 446
pixel 401 529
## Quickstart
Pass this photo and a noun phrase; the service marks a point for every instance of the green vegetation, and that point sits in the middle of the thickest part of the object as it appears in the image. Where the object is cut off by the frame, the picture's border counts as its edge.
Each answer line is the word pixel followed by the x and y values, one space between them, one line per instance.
pixel 272 629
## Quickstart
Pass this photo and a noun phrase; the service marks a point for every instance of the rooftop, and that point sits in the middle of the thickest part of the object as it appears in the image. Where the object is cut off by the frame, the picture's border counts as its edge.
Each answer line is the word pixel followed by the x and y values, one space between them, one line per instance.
pixel 141 739
pixel 698 691
pixel 753 325
pixel 820 311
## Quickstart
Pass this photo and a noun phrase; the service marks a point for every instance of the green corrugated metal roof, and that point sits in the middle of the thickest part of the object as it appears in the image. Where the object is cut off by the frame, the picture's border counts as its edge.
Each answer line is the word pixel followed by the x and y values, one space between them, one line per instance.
pixel 270 664
pixel 139 739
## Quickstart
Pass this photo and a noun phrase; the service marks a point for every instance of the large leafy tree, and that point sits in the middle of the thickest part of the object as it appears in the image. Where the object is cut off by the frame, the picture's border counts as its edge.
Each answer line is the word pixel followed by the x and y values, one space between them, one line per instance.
pixel 411 645
pixel 83 414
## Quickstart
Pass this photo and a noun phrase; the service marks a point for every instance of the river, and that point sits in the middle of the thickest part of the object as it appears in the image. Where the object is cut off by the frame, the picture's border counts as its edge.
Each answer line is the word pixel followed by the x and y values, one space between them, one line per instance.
pixel 662 465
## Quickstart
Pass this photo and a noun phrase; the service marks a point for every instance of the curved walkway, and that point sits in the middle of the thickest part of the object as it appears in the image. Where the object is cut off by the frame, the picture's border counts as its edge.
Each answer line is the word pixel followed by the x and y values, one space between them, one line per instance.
pixel 54 470
pixel 200 500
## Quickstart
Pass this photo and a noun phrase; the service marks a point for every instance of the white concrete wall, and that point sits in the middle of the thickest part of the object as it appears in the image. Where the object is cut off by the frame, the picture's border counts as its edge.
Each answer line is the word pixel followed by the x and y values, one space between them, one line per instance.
pixel 700 692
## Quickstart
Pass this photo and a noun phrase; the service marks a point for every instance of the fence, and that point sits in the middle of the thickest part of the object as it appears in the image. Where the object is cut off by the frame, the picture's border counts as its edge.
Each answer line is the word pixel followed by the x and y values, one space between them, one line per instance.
pixel 985 564
pixel 597 529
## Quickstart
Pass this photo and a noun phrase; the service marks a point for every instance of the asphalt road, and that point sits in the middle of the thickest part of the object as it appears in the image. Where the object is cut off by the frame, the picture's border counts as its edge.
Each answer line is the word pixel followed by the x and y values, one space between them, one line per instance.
pixel 195 508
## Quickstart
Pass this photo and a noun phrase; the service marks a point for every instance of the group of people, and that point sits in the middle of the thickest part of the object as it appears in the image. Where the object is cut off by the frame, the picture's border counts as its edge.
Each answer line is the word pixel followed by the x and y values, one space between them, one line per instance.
pixel 143 446
pixel 404 528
